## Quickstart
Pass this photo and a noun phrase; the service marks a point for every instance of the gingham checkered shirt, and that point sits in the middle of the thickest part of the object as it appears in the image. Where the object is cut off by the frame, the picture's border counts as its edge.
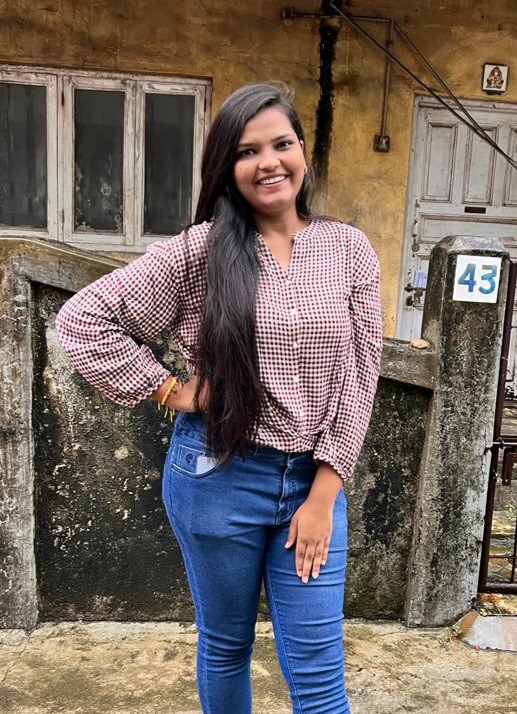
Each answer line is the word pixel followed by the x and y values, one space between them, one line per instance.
pixel 318 331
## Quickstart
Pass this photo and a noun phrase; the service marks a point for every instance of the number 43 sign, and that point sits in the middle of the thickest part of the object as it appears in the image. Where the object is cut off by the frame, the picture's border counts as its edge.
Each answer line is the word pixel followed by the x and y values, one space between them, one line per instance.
pixel 477 278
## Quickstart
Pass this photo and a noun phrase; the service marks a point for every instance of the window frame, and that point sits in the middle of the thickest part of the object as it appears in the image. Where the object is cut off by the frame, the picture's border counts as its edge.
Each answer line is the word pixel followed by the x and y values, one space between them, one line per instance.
pixel 200 129
pixel 61 84
pixel 18 76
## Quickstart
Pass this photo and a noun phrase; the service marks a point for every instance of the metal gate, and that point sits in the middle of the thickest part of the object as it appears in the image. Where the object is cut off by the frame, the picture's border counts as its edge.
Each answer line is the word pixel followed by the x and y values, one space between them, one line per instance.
pixel 499 550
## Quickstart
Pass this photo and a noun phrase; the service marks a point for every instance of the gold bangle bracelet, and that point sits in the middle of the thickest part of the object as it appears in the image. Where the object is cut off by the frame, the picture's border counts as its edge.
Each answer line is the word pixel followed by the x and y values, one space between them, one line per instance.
pixel 169 412
pixel 171 388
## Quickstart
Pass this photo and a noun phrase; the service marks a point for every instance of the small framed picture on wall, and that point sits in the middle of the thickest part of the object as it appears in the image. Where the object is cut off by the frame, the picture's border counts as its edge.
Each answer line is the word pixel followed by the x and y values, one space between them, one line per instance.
pixel 495 78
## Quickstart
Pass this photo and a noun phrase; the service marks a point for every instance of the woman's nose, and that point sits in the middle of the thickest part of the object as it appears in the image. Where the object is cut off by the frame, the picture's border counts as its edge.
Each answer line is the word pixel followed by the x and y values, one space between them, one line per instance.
pixel 268 162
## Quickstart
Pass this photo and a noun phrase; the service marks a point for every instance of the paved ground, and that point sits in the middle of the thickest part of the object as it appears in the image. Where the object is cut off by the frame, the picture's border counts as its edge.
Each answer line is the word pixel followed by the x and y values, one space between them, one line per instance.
pixel 144 668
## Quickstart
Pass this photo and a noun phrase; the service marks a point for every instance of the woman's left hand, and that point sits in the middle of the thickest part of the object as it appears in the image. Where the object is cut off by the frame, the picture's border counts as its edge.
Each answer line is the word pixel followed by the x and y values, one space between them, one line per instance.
pixel 311 528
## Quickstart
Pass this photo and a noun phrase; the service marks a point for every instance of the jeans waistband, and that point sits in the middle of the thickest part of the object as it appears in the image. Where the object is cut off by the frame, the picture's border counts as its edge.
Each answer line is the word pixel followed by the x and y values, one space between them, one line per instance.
pixel 192 424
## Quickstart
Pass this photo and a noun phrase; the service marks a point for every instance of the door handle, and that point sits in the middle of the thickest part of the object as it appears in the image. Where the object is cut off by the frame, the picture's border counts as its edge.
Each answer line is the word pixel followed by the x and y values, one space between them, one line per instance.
pixel 414 300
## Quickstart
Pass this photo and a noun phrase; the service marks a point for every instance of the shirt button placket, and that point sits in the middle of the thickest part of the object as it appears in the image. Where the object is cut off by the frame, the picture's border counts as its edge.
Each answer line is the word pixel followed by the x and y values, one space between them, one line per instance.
pixel 296 354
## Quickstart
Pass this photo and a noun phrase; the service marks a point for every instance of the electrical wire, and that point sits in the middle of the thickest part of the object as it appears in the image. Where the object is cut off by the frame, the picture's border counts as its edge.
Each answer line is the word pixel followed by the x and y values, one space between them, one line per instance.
pixel 435 74
pixel 474 126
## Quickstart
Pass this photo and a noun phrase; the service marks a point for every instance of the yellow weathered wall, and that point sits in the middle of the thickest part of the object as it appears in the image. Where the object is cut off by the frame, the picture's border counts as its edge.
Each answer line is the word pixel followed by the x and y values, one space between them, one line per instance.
pixel 369 188
pixel 237 42
pixel 230 42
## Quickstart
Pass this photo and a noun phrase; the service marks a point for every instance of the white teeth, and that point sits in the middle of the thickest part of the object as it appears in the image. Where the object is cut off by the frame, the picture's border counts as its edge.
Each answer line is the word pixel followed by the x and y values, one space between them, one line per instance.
pixel 274 179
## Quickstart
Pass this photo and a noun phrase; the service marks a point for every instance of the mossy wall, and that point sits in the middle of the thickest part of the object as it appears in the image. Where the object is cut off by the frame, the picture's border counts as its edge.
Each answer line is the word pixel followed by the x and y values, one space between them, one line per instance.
pixel 104 547
pixel 381 502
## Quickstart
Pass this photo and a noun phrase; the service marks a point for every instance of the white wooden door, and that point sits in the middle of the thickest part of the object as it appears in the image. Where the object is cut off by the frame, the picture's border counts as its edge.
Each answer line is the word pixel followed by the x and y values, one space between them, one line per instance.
pixel 459 185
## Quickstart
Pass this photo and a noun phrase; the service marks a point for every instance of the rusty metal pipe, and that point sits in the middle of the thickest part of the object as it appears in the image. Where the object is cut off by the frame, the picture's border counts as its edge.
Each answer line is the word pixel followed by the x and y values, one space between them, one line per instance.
pixel 289 13
pixel 387 78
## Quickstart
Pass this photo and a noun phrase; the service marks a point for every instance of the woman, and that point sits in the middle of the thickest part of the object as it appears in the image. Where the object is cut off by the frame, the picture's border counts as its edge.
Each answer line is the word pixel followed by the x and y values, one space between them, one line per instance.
pixel 277 314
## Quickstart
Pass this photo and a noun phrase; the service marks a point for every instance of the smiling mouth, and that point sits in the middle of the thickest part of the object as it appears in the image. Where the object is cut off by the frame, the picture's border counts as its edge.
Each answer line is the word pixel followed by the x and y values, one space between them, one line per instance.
pixel 272 180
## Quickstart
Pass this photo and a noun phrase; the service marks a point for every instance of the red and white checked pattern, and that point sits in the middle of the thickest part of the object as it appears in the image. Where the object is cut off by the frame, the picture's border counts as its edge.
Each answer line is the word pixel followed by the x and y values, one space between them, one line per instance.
pixel 319 333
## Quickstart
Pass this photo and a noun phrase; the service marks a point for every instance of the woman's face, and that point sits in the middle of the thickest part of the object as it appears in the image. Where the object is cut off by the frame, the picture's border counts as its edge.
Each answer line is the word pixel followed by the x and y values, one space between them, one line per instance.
pixel 270 164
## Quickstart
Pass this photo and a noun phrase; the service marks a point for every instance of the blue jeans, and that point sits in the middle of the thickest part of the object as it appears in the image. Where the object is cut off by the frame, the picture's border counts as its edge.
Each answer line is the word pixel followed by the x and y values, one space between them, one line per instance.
pixel 231 524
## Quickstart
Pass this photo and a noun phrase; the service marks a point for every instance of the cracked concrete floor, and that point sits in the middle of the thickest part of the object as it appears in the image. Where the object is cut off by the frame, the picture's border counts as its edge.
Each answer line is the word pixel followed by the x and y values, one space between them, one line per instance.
pixel 148 668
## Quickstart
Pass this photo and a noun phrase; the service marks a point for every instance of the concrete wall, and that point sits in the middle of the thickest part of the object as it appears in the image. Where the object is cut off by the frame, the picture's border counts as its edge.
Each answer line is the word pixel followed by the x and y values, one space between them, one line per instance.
pixel 382 498
pixel 83 533
pixel 233 43
pixel 104 547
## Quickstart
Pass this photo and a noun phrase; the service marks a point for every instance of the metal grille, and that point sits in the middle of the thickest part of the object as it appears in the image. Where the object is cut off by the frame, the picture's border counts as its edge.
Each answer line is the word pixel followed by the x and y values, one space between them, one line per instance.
pixel 499 550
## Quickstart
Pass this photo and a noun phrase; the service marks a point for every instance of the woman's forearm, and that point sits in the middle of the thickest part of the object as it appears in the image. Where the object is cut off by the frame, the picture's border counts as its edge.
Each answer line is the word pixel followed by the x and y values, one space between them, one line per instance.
pixel 327 484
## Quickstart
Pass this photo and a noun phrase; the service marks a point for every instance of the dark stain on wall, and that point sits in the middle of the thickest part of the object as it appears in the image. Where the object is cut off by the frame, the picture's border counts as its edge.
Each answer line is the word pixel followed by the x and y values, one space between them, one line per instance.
pixel 104 547
pixel 325 109
pixel 381 502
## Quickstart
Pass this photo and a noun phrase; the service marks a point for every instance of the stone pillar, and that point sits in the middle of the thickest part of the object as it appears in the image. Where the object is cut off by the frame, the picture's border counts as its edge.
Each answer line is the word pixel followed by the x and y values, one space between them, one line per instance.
pixel 448 524
pixel 23 263
pixel 18 604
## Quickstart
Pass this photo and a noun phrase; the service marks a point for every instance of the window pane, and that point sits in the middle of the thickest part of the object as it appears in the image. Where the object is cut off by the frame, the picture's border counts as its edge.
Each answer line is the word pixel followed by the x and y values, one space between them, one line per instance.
pixel 169 143
pixel 99 149
pixel 23 156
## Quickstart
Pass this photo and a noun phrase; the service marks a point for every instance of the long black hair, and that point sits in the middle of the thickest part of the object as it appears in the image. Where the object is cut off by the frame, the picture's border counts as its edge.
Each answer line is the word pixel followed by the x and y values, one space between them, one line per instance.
pixel 227 358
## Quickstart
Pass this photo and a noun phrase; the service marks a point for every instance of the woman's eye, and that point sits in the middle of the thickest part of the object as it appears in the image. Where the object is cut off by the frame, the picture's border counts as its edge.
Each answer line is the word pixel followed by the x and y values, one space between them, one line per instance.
pixel 282 145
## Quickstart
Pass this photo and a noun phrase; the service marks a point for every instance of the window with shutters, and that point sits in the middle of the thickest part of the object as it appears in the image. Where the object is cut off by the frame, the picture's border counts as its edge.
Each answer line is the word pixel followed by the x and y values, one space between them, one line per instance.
pixel 100 161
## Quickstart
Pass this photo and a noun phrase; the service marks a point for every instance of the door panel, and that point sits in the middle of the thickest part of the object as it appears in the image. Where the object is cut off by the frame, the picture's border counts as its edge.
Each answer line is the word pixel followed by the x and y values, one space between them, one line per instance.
pixel 510 182
pixel 458 185
pixel 479 169
pixel 440 153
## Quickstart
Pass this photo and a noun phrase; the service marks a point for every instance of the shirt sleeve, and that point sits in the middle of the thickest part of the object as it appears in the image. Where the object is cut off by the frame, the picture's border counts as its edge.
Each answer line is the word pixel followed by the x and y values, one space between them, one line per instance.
pixel 104 327
pixel 340 444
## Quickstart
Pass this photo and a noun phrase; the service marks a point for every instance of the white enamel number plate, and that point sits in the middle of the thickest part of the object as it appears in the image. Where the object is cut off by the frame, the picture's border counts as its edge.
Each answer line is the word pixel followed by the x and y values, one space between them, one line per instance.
pixel 477 278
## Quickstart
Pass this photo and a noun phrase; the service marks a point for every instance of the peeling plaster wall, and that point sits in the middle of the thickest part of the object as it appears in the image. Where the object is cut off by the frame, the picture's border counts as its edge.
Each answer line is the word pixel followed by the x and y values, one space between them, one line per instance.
pixel 457 37
pixel 233 43
pixel 104 547
pixel 381 502
pixel 83 532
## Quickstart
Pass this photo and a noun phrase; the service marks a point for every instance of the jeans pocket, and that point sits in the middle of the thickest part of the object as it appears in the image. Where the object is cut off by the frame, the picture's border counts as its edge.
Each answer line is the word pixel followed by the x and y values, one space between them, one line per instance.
pixel 192 461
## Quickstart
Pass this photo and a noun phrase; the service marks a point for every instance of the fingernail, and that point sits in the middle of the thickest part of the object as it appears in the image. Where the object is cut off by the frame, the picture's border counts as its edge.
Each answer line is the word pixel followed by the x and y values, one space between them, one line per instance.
pixel 299 573
pixel 305 579
pixel 287 545
pixel 315 575
pixel 323 562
